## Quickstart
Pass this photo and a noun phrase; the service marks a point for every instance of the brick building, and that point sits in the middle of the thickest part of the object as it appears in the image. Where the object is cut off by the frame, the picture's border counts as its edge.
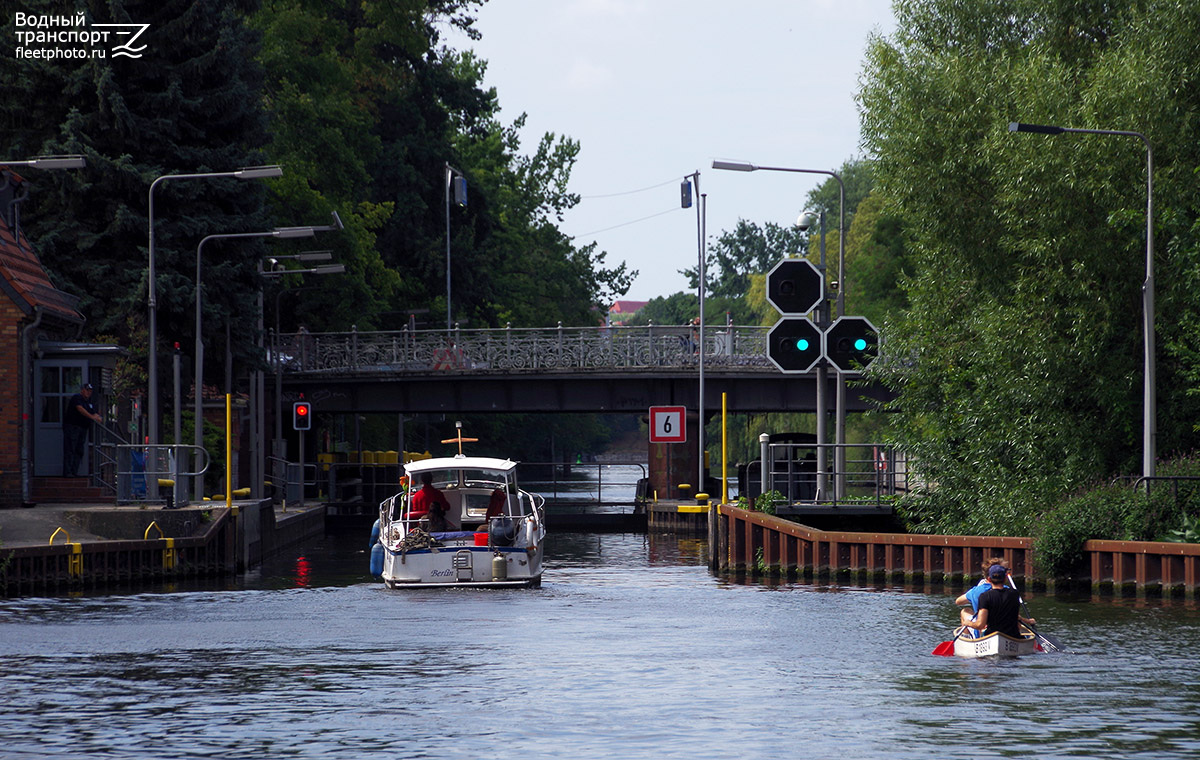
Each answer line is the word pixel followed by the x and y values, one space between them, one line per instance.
pixel 41 365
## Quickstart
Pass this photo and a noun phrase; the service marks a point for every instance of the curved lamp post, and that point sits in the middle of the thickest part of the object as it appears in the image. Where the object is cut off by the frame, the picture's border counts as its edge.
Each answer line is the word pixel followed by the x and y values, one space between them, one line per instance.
pixel 281 233
pixel 253 172
pixel 1149 402
pixel 840 414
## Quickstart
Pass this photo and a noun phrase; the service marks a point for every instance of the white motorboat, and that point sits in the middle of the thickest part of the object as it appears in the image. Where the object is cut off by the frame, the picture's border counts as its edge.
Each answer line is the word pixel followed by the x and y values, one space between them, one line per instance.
pixel 491 534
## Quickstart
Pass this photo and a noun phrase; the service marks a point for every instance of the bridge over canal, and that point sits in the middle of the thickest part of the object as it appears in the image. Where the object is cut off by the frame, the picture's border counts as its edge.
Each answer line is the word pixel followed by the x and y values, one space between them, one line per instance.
pixel 563 369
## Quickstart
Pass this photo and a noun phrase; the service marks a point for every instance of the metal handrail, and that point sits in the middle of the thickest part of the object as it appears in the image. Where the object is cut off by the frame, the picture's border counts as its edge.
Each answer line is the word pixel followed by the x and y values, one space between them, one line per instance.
pixel 882 473
pixel 555 481
pixel 1143 480
pixel 510 349
pixel 127 477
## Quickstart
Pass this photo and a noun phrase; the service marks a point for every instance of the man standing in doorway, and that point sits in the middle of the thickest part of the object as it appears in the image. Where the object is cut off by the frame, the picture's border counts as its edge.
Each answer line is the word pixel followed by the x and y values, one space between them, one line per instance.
pixel 80 415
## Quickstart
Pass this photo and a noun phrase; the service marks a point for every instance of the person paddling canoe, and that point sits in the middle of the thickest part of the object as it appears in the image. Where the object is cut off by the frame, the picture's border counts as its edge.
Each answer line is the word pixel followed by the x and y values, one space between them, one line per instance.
pixel 970 600
pixel 999 607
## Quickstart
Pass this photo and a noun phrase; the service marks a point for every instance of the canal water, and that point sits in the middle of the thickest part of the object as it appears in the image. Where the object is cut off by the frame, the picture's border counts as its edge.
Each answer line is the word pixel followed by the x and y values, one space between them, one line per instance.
pixel 630 649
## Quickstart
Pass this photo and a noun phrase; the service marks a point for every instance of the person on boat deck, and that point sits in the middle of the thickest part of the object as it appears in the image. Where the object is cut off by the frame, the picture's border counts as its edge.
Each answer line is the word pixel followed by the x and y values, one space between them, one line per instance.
pixel 999 607
pixel 498 500
pixel 972 596
pixel 428 502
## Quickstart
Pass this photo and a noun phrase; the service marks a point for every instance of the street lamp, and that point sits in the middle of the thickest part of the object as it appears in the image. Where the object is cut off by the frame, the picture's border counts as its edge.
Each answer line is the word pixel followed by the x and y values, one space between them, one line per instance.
pixel 840 414
pixel 281 233
pixel 43 163
pixel 1149 402
pixel 252 172
pixel 701 222
pixel 50 162
pixel 277 271
pixel 804 223
pixel 460 197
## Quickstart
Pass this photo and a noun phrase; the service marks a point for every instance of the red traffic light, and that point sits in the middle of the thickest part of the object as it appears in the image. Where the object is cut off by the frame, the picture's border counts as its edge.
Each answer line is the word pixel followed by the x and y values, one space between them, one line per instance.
pixel 302 415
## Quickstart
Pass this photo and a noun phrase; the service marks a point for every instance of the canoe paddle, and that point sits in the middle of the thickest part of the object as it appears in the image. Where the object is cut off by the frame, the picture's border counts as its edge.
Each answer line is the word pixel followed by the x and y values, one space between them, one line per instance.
pixel 946 648
pixel 1049 643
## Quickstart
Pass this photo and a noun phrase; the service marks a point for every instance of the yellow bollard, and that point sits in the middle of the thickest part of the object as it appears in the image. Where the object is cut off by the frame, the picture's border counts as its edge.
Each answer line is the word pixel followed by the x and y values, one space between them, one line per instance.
pixel 75 561
pixel 168 557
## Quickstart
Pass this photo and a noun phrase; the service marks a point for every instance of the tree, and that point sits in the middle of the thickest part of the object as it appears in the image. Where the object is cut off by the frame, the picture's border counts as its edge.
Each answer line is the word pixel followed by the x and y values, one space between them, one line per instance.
pixel 192 105
pixel 877 262
pixel 1017 362
pixel 857 177
pixel 375 109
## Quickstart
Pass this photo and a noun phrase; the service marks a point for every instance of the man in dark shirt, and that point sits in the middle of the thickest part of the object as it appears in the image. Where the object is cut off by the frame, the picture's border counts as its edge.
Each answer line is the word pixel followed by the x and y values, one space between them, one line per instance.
pixel 78 419
pixel 999 607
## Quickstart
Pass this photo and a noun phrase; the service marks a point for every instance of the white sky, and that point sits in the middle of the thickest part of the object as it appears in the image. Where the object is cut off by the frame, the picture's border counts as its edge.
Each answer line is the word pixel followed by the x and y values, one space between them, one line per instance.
pixel 656 89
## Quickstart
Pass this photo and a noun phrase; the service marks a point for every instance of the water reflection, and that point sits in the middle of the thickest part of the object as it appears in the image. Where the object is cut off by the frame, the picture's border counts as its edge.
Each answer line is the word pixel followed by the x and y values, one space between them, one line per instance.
pixel 630 649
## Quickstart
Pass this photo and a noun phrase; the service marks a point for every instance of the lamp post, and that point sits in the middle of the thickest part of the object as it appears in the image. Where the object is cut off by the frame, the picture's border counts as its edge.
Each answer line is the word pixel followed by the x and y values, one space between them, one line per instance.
pixel 282 233
pixel 1149 402
pixel 804 223
pixel 259 383
pixel 460 196
pixel 50 162
pixel 840 421
pixel 280 272
pixel 253 172
pixel 701 219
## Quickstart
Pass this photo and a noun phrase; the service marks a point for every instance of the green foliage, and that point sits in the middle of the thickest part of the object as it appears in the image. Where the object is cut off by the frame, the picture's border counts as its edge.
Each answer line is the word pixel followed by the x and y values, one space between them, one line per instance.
pixel 877 262
pixel 764 502
pixel 1188 532
pixel 193 106
pixel 742 252
pixel 1112 512
pixel 1017 356
pixel 858 177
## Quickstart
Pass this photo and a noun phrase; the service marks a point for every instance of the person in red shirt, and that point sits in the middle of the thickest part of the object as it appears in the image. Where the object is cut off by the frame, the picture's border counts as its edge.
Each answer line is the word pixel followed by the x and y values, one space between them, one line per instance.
pixel 428 502
pixel 499 500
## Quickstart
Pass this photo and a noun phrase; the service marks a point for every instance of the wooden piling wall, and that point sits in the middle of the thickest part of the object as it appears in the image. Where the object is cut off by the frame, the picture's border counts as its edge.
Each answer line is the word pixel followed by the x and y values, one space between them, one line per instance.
pixel 758 544
pixel 1144 568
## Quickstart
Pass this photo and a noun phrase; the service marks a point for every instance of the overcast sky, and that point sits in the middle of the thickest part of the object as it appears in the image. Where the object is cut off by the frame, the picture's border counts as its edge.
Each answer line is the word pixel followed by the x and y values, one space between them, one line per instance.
pixel 656 89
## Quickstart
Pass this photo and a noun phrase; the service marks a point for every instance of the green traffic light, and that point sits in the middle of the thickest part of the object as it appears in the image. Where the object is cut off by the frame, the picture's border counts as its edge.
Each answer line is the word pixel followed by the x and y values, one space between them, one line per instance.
pixel 860 344
pixel 802 344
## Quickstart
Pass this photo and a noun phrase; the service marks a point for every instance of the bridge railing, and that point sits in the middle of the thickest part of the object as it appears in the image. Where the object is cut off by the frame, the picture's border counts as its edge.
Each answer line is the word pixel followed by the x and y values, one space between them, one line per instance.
pixel 514 349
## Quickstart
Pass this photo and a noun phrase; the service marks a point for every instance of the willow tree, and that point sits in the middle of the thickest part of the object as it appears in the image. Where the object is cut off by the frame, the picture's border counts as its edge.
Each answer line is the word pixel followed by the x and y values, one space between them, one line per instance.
pixel 1018 360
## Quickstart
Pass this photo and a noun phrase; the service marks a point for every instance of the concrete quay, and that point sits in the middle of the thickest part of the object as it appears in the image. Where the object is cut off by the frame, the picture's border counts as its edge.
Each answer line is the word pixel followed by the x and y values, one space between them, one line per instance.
pixel 63 547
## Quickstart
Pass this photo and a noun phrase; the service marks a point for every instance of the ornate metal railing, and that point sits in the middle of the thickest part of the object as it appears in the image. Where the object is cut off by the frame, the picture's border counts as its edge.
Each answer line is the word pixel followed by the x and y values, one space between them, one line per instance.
pixel 508 350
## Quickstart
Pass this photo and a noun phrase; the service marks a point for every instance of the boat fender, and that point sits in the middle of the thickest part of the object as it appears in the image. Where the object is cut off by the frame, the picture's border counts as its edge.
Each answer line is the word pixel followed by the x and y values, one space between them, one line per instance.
pixel 499 568
pixel 377 559
pixel 374 533
pixel 503 531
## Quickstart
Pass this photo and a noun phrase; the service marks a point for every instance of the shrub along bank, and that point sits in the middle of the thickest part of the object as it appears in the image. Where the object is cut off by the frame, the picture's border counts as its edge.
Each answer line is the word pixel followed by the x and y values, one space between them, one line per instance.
pixel 1115 511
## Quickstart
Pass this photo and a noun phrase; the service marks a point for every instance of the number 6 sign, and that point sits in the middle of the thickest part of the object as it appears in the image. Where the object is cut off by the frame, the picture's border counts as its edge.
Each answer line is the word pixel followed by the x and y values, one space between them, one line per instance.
pixel 667 424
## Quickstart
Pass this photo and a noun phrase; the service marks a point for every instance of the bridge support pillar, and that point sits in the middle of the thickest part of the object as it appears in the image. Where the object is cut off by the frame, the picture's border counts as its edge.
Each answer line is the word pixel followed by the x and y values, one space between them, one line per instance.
pixel 674 463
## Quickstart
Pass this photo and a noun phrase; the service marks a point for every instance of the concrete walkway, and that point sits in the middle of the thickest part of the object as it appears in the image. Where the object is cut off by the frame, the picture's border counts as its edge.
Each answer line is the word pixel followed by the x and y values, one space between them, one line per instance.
pixel 34 526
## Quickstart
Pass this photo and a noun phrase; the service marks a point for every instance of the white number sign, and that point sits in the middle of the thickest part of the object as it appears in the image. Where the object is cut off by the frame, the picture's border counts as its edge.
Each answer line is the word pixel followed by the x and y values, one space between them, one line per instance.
pixel 667 424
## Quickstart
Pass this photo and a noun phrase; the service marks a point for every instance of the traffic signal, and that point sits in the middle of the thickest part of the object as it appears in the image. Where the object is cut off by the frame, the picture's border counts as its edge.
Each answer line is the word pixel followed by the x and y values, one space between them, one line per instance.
pixel 302 415
pixel 851 343
pixel 795 286
pixel 794 344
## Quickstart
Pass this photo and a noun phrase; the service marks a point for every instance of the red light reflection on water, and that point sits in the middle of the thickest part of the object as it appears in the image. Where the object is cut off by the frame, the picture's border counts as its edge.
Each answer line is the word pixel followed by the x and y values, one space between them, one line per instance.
pixel 303 570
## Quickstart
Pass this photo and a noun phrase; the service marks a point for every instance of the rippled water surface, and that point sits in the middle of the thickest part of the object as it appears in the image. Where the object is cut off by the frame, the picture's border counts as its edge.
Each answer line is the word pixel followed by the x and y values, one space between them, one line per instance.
pixel 630 649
